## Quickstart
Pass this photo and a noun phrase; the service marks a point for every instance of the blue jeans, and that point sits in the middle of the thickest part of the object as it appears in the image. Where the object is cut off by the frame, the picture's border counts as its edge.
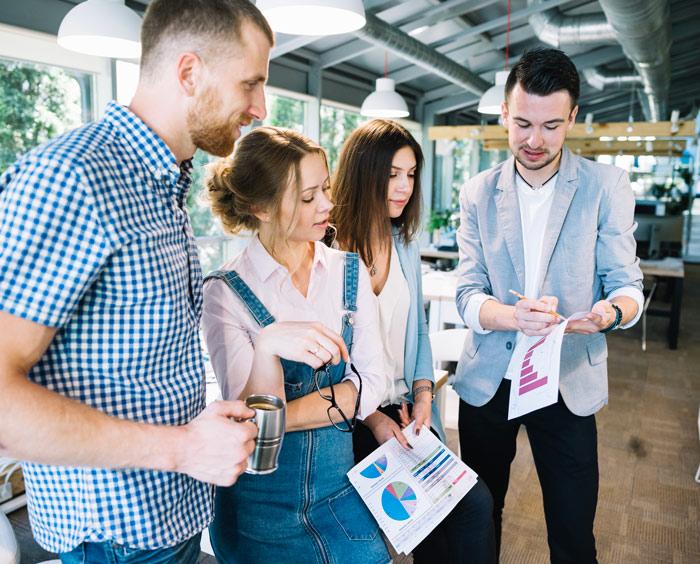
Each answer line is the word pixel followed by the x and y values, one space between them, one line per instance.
pixel 187 552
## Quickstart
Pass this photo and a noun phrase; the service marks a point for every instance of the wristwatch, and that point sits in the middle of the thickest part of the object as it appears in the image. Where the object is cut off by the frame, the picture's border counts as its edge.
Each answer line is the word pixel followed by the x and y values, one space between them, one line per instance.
pixel 615 324
pixel 420 389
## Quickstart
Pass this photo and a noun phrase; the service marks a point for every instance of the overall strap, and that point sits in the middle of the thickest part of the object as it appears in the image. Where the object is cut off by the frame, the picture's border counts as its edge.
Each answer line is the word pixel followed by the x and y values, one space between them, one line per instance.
pixel 352 268
pixel 246 295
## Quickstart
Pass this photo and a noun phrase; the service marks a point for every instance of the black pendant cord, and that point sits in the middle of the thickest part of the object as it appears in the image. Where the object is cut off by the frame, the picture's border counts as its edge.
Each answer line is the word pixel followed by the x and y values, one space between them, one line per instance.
pixel 530 185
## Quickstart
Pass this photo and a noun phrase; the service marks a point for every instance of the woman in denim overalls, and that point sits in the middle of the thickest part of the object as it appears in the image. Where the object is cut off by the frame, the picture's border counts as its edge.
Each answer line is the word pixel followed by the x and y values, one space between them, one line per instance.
pixel 284 307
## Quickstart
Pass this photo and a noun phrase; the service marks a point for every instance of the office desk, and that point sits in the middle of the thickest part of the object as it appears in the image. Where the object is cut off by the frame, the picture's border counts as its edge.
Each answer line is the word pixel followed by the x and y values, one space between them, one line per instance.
pixel 439 288
pixel 672 270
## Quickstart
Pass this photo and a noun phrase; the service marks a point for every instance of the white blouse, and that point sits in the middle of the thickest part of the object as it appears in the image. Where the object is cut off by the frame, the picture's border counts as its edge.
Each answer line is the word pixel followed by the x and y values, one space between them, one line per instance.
pixel 394 301
pixel 231 332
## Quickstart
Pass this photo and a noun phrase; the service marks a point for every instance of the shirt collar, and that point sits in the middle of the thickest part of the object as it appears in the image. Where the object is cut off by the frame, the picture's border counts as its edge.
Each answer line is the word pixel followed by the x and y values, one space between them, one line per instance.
pixel 150 149
pixel 262 262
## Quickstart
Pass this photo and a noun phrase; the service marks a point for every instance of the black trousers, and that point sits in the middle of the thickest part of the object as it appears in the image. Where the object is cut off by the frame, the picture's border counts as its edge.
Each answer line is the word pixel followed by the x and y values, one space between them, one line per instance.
pixel 466 535
pixel 565 449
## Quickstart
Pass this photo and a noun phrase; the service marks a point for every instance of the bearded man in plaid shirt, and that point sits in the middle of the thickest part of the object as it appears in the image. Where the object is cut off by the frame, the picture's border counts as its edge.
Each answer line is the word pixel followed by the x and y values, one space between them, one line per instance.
pixel 102 389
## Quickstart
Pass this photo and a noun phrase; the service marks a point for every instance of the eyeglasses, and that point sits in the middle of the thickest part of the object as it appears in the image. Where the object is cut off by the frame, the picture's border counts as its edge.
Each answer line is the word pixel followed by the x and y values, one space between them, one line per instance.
pixel 322 379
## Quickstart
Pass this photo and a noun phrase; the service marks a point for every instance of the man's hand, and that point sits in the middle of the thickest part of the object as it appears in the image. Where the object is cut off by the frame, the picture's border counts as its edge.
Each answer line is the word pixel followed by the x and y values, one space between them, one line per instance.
pixel 533 317
pixel 384 428
pixel 601 316
pixel 215 446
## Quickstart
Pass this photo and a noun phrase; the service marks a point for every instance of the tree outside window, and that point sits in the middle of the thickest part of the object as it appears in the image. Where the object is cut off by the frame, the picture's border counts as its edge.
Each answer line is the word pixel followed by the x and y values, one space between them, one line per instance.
pixel 37 103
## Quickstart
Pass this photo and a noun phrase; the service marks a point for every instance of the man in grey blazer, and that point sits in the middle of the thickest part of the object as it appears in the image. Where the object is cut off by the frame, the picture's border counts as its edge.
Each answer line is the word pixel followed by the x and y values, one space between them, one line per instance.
pixel 558 229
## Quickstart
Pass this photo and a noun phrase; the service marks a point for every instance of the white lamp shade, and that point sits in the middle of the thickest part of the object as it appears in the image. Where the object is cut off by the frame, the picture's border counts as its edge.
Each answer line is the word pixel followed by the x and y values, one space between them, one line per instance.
pixel 492 99
pixel 384 101
pixel 313 17
pixel 106 28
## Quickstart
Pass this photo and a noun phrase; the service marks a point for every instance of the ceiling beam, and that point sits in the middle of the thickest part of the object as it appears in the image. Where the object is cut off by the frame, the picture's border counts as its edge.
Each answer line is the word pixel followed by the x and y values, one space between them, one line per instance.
pixel 596 148
pixel 613 129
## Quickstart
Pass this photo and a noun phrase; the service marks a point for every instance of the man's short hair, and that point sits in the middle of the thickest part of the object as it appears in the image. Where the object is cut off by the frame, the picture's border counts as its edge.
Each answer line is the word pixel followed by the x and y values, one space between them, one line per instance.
pixel 195 25
pixel 542 71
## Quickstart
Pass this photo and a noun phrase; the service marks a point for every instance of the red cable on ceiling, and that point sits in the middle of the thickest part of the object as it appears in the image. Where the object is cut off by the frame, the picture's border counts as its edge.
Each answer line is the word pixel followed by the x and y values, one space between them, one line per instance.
pixel 507 34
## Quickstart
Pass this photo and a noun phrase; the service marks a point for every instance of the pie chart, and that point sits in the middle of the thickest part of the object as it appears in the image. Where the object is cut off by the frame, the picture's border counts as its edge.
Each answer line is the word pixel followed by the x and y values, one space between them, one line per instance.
pixel 376 469
pixel 399 501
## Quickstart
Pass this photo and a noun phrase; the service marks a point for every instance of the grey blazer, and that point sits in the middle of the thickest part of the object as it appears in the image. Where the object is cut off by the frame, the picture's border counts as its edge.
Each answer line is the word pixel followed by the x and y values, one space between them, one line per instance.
pixel 589 251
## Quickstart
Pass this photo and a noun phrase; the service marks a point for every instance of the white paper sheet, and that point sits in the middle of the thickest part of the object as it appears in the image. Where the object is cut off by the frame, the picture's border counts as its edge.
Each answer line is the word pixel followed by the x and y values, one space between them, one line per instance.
pixel 537 384
pixel 410 492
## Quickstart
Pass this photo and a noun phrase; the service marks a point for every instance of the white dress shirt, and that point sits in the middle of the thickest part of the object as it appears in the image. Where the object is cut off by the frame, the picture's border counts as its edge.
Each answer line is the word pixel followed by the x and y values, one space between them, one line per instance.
pixel 535 206
pixel 231 332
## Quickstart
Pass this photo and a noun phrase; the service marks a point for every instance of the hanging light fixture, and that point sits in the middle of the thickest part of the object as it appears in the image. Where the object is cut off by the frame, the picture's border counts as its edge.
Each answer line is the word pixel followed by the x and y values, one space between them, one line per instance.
pixel 313 17
pixel 384 101
pixel 492 99
pixel 106 28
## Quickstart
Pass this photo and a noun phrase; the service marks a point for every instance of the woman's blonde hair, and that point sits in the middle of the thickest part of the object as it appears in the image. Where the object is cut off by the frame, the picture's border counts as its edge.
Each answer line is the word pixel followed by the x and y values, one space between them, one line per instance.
pixel 255 177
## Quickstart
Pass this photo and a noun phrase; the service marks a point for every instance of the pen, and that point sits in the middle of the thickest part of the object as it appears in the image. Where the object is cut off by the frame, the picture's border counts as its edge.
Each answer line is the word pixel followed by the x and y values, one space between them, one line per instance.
pixel 524 298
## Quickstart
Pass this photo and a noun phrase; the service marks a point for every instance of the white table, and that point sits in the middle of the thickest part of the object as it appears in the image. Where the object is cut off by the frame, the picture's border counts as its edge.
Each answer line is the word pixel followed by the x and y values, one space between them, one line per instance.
pixel 439 288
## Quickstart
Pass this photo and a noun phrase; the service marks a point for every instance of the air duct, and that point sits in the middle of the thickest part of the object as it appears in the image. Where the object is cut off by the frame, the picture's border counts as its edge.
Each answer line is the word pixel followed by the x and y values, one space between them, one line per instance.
pixel 556 29
pixel 386 36
pixel 643 29
pixel 601 81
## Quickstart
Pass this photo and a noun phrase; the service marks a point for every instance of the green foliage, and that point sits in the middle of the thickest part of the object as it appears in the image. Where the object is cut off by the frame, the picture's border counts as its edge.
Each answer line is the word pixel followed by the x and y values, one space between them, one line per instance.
pixel 36 104
pixel 336 125
pixel 442 219
pixel 285 112
pixel 675 191
pixel 201 218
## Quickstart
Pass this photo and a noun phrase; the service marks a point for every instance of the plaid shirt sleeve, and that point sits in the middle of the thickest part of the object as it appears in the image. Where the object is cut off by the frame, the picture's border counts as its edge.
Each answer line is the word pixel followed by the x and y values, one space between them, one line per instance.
pixel 53 245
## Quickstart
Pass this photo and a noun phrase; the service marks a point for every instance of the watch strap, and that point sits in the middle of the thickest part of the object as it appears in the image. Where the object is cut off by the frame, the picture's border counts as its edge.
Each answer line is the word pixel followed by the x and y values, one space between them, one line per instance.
pixel 420 389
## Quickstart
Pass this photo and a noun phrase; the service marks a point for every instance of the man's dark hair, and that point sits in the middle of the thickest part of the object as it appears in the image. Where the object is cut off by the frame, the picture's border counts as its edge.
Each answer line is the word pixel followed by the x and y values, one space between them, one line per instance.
pixel 197 25
pixel 542 71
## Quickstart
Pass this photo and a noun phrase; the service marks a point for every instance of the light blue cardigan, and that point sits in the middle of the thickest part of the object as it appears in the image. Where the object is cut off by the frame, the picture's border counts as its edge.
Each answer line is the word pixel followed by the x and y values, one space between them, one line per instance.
pixel 418 358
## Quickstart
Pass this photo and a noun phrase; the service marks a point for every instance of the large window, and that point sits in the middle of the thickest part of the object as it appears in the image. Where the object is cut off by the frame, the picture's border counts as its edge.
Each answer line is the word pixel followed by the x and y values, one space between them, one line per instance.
pixel 285 111
pixel 337 122
pixel 44 90
pixel 38 103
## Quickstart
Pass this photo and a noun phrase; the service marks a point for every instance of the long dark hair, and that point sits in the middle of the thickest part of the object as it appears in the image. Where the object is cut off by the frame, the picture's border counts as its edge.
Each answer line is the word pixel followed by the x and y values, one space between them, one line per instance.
pixel 360 184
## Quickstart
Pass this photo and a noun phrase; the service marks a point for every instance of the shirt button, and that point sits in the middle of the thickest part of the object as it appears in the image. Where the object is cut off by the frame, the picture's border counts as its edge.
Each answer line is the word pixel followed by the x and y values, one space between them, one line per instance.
pixel 509 345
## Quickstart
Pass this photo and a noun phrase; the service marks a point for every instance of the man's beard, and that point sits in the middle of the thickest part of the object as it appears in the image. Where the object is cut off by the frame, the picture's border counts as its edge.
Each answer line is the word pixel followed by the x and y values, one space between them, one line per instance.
pixel 208 132
pixel 529 165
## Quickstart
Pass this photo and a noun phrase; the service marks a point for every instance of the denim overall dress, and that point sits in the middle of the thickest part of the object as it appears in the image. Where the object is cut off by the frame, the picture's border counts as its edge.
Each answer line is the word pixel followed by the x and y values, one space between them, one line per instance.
pixel 306 511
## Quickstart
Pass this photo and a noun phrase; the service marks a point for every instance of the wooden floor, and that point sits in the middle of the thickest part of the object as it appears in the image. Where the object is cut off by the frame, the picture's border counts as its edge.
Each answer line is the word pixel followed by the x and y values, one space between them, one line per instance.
pixel 649 503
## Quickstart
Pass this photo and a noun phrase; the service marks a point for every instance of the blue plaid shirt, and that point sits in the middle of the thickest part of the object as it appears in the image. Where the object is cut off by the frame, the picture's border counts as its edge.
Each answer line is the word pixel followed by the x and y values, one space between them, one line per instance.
pixel 95 240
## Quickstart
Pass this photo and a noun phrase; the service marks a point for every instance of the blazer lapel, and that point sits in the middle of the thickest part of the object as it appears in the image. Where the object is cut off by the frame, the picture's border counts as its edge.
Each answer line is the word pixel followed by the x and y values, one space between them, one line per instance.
pixel 566 186
pixel 506 200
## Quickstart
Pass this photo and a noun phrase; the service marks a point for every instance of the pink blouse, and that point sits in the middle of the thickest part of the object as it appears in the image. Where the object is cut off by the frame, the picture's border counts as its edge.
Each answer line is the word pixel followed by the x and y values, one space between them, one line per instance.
pixel 231 332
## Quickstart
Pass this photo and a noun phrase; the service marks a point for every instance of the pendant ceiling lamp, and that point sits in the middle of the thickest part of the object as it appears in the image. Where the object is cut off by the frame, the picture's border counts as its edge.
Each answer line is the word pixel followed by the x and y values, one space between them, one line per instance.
pixel 106 28
pixel 384 102
pixel 313 17
pixel 492 99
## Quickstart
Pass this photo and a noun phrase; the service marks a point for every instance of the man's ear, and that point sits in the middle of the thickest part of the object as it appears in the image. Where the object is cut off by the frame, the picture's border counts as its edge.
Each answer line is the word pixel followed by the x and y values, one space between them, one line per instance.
pixel 190 72
pixel 572 118
pixel 504 114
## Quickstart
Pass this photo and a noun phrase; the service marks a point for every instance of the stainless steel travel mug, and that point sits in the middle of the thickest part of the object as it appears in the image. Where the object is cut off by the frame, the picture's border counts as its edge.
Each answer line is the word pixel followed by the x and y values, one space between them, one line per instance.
pixel 270 417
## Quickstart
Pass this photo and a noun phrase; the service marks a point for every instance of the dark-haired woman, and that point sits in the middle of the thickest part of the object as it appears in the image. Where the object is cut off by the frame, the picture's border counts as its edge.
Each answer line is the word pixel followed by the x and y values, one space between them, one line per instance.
pixel 284 307
pixel 377 213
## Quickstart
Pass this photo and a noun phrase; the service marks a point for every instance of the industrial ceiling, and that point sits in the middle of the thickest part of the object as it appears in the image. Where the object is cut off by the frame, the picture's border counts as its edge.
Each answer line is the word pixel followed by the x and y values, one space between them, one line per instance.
pixel 636 57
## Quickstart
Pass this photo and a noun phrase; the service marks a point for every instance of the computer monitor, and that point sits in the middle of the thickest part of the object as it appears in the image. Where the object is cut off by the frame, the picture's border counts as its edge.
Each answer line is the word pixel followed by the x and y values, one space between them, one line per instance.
pixel 660 235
